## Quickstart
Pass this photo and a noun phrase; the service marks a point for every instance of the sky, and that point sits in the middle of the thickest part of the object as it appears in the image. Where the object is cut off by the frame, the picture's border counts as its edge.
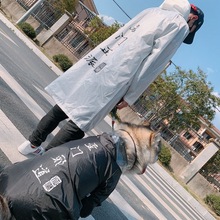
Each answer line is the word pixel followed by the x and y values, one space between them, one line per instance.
pixel 203 53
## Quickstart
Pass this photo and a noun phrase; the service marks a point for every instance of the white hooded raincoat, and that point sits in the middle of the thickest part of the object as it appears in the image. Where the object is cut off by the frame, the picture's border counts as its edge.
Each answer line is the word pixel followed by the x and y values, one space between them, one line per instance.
pixel 122 66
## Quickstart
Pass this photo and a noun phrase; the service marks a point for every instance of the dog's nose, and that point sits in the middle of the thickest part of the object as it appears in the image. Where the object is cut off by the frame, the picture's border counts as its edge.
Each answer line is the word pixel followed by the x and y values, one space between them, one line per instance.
pixel 143 170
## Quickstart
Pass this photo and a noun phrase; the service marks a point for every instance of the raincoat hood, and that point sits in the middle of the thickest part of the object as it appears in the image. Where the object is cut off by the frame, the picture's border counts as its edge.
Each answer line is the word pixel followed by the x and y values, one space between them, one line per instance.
pixel 180 6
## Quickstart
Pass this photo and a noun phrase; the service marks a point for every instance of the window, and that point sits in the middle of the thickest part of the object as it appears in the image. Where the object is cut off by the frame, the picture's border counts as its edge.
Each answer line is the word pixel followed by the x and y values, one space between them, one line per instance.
pixel 187 135
pixel 77 40
pixel 197 147
pixel 63 34
pixel 83 48
pixel 206 136
pixel 196 127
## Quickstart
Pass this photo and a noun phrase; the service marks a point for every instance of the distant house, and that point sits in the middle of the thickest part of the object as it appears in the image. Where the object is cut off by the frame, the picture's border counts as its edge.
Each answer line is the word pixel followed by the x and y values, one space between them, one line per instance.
pixel 188 143
pixel 197 139
pixel 72 35
pixel 66 31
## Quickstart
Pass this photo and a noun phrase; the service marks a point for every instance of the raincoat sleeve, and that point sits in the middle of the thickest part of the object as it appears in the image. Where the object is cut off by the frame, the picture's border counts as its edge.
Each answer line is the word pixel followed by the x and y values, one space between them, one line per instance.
pixel 166 41
pixel 100 194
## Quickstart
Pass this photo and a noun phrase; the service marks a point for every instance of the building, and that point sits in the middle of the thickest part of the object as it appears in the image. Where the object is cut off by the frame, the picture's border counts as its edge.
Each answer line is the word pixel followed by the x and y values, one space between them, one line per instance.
pixel 197 140
pixel 197 144
pixel 56 32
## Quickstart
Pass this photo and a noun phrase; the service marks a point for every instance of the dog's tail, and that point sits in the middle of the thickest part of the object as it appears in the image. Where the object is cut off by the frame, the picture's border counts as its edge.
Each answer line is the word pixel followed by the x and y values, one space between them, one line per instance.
pixel 5 213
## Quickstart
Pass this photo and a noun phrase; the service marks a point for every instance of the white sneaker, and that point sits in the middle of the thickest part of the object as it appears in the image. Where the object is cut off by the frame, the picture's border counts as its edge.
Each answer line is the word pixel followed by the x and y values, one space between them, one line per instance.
pixel 27 148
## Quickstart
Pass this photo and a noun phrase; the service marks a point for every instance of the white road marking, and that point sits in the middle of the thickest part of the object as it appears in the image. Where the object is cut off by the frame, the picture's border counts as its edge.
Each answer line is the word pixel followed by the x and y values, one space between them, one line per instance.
pixel 23 95
pixel 125 208
pixel 45 95
pixel 30 44
pixel 143 198
pixel 10 139
pixel 155 195
pixel 6 36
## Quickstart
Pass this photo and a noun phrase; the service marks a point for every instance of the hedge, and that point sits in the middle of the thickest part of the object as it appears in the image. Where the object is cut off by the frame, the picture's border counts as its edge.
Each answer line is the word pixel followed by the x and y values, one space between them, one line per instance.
pixel 165 156
pixel 27 29
pixel 63 61
pixel 214 202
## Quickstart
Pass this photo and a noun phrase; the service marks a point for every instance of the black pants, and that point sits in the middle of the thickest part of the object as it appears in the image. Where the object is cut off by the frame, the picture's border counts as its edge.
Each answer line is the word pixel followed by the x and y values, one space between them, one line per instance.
pixel 70 131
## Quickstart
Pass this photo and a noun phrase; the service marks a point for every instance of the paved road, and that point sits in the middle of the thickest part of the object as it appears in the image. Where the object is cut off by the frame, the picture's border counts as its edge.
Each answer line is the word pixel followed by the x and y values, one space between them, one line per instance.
pixel 23 76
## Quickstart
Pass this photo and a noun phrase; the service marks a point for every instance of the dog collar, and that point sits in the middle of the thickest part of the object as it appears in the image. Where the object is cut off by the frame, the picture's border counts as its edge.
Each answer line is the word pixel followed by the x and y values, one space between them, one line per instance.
pixel 135 149
pixel 121 156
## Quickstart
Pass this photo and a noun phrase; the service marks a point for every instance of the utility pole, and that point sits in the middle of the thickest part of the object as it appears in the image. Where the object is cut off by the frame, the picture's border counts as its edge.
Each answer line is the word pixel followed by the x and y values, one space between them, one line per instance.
pixel 28 13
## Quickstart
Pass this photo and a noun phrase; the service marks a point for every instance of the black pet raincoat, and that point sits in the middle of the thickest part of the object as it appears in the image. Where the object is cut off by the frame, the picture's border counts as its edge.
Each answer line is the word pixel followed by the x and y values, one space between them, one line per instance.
pixel 66 180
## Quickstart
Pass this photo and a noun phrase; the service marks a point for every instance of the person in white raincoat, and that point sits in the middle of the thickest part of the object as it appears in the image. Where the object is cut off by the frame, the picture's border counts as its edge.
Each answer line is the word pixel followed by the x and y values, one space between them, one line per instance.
pixel 116 71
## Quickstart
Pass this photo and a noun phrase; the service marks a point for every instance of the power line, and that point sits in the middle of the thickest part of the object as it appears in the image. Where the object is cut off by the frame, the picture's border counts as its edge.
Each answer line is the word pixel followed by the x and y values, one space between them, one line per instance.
pixel 122 9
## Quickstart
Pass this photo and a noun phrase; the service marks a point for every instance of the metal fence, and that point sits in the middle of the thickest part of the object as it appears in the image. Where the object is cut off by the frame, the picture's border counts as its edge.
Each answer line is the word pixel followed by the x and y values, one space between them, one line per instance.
pixel 171 137
pixel 45 14
pixel 74 40
pixel 72 35
pixel 215 182
pixel 27 4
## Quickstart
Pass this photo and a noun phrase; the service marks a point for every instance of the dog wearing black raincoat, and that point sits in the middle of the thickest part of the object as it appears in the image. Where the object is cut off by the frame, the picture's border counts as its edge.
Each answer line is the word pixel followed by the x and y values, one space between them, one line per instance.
pixel 68 181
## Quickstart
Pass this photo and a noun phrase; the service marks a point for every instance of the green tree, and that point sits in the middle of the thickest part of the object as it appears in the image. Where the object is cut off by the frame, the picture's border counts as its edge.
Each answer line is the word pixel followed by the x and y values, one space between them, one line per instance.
pixel 214 202
pixel 165 156
pixel 98 31
pixel 181 98
pixel 64 62
pixel 62 5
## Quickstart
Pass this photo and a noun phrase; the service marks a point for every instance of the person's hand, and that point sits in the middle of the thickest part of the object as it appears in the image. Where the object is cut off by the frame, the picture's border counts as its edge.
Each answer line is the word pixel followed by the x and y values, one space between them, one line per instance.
pixel 122 104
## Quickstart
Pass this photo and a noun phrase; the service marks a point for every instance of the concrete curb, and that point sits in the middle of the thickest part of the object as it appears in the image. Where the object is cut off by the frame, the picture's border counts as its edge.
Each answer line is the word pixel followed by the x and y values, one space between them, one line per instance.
pixel 182 192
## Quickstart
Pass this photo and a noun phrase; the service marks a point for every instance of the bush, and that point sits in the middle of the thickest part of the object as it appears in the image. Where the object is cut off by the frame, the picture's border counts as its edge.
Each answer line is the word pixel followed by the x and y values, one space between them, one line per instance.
pixel 27 29
pixel 63 61
pixel 165 156
pixel 214 202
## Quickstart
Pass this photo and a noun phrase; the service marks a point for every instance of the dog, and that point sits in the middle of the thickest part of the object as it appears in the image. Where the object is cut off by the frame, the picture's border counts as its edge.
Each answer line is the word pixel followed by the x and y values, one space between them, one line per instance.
pixel 142 146
pixel 57 181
